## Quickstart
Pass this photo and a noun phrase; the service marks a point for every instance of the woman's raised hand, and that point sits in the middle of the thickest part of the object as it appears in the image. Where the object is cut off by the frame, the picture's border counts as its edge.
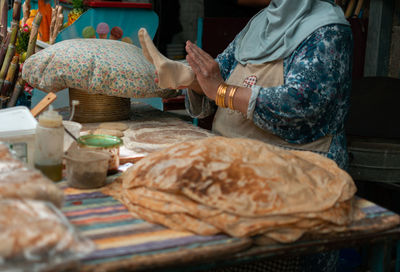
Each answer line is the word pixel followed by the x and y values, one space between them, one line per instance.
pixel 207 71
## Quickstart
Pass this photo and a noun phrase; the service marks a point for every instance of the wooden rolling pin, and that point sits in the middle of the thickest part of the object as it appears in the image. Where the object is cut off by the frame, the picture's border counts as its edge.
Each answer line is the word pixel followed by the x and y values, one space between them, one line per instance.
pixel 43 104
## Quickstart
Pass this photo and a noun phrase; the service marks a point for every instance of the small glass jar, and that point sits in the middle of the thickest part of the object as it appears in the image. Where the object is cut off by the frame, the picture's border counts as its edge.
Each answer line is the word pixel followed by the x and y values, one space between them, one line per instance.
pixel 86 169
pixel 107 143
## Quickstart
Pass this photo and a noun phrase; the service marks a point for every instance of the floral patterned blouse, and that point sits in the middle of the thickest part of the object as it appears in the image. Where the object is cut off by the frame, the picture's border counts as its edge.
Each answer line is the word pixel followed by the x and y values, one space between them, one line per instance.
pixel 313 101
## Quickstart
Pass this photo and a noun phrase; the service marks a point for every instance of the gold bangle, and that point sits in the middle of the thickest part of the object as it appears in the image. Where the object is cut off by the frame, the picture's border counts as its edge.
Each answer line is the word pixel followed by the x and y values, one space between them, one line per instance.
pixel 217 98
pixel 220 99
pixel 231 95
pixel 223 93
pixel 218 92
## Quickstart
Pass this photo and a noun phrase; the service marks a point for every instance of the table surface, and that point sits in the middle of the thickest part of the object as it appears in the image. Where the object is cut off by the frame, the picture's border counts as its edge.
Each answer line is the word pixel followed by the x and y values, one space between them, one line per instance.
pixel 126 243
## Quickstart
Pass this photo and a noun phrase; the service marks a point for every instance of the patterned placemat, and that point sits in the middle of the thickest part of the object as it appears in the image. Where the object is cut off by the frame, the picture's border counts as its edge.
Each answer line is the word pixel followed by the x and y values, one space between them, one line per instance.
pixel 124 242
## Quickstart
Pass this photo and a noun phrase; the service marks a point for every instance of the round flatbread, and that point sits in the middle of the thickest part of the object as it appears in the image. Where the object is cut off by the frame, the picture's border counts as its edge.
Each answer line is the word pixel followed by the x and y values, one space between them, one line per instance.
pixel 114 126
pixel 112 132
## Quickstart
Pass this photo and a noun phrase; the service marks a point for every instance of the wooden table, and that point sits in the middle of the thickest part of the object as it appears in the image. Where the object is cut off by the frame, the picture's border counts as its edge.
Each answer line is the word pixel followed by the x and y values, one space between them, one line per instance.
pixel 126 243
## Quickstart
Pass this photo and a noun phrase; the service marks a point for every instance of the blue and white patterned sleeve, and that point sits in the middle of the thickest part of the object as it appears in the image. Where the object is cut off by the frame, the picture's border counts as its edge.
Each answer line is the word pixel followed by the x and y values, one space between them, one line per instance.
pixel 313 101
pixel 199 106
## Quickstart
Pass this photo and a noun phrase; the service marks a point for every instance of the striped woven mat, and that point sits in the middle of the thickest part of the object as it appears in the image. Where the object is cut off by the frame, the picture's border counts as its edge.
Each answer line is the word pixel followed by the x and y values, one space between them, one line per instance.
pixel 124 242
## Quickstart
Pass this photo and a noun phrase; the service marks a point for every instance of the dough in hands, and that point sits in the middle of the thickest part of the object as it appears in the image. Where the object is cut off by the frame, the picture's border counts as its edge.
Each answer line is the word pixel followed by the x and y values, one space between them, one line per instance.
pixel 171 74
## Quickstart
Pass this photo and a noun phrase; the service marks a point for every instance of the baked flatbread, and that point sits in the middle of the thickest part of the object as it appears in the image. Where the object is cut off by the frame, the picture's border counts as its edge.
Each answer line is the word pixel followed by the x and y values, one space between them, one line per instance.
pixel 241 187
pixel 175 206
pixel 112 132
pixel 114 126
pixel 17 181
pixel 26 183
pixel 33 228
pixel 150 136
pixel 242 176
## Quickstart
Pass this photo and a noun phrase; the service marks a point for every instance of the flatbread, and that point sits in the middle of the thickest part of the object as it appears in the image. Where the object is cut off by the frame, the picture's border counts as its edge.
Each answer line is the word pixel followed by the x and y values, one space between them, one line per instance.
pixel 242 176
pixel 150 136
pixel 114 126
pixel 24 183
pixel 176 206
pixel 112 132
pixel 17 181
pixel 240 187
pixel 32 227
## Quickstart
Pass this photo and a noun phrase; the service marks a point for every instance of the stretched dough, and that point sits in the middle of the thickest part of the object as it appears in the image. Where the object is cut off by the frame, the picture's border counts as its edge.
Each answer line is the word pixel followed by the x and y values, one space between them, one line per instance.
pixel 171 74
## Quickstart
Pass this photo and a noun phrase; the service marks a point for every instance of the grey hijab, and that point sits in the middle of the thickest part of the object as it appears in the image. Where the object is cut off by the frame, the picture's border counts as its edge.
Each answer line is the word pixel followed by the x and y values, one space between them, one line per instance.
pixel 276 31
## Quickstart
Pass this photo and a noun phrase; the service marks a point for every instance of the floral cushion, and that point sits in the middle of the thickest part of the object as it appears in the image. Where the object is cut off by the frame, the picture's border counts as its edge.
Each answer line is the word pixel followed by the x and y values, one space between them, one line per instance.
pixel 98 66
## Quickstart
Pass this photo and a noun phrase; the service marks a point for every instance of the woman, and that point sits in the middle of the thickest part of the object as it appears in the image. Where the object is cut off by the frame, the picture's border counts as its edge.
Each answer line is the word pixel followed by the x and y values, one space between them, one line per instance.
pixel 292 68
pixel 285 80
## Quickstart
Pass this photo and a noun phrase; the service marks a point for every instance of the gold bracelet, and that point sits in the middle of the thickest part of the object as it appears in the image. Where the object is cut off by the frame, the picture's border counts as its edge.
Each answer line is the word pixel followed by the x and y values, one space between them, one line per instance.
pixel 231 95
pixel 220 99
pixel 223 93
pixel 217 98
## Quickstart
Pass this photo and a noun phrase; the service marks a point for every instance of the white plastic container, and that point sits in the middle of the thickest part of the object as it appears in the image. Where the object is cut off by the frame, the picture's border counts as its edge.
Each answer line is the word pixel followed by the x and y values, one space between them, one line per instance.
pixel 49 144
pixel 17 129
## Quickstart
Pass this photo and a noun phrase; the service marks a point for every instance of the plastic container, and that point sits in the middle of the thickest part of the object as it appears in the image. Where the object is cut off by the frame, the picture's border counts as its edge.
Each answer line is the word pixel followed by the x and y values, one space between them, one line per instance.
pixel 107 143
pixel 17 129
pixel 86 169
pixel 49 143
pixel 75 129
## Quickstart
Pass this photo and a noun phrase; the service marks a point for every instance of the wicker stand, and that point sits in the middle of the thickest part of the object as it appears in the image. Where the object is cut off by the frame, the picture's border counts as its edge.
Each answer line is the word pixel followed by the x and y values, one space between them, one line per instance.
pixel 94 108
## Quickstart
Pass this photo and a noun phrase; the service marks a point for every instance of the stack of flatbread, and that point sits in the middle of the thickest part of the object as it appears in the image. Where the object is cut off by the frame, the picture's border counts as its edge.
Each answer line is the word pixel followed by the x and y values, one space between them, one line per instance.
pixel 33 232
pixel 240 187
pixel 110 128
pixel 17 181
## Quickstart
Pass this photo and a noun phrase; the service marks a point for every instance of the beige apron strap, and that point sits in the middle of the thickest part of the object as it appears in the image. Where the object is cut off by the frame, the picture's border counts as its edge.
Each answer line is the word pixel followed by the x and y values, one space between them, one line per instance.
pixel 231 123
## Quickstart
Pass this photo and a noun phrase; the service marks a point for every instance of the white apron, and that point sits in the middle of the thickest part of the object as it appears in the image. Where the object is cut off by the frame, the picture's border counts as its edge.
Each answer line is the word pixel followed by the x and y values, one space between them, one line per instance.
pixel 232 124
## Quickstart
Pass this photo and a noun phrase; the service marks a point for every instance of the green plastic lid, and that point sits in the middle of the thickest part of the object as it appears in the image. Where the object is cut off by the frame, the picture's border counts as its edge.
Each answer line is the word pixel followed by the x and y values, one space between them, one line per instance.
pixel 100 141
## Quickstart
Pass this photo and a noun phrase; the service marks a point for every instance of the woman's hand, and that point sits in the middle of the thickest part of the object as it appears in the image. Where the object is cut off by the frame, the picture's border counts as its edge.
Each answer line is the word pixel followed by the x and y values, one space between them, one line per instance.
pixel 206 69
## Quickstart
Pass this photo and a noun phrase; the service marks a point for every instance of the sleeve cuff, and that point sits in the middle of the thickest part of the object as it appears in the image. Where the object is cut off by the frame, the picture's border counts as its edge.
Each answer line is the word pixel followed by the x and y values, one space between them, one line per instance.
pixel 198 106
pixel 255 90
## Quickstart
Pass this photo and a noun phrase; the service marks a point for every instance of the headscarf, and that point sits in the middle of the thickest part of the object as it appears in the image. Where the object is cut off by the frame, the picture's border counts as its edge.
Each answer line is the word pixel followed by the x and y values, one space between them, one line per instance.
pixel 276 31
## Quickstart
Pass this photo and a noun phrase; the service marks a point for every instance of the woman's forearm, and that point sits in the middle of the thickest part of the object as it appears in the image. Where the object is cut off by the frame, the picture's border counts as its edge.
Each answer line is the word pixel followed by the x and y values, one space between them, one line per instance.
pixel 240 99
pixel 194 86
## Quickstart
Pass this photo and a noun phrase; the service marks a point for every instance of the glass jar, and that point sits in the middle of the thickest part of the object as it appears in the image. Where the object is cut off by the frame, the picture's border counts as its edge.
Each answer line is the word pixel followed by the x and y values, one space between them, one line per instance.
pixel 107 143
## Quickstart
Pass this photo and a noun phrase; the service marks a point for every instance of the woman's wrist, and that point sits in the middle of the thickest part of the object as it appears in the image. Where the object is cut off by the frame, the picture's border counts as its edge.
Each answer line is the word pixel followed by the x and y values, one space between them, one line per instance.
pixel 194 86
pixel 233 97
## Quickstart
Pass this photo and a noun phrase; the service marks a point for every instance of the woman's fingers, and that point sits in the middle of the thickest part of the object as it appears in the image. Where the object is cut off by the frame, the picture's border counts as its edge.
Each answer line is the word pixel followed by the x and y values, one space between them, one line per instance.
pixel 199 58
pixel 194 64
pixel 200 53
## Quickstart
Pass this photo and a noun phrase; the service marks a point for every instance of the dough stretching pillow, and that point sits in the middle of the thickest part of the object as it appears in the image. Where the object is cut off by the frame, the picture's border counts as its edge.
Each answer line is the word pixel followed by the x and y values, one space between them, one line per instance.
pixel 98 66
